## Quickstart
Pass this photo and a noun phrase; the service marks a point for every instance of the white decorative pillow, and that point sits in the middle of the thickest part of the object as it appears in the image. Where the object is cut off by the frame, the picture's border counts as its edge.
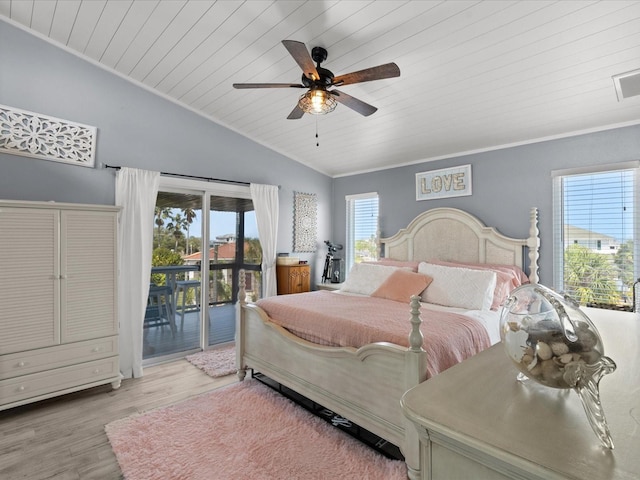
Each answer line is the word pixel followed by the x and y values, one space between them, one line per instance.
pixel 365 278
pixel 459 287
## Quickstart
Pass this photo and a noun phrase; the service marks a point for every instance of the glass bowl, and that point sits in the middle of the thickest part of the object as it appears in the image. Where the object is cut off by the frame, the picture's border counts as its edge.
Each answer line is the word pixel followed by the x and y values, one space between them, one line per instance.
pixel 547 335
pixel 551 341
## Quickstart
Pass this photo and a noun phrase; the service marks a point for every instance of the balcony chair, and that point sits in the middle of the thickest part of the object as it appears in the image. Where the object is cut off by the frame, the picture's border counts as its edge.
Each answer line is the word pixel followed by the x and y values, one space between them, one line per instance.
pixel 181 300
pixel 160 311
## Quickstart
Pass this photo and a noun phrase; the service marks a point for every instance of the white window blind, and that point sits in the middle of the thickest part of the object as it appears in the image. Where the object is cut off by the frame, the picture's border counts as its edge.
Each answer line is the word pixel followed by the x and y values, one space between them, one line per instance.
pixel 362 228
pixel 595 231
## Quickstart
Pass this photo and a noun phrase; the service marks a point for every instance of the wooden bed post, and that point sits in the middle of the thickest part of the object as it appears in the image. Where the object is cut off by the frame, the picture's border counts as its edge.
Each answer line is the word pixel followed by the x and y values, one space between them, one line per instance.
pixel 241 372
pixel 415 373
pixel 533 243
pixel 416 339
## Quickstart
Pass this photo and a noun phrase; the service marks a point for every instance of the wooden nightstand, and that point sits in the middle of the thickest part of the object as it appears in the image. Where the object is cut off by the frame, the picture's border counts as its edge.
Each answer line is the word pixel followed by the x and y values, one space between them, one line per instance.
pixel 293 278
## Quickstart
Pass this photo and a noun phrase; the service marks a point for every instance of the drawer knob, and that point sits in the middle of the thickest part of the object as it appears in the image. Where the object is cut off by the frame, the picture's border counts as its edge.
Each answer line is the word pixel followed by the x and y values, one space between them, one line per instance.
pixel 21 364
pixel 96 349
pixel 96 371
pixel 21 388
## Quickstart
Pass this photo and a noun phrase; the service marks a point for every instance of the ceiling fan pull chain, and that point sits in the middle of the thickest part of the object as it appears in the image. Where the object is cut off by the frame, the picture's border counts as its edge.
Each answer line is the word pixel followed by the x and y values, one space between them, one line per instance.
pixel 317 141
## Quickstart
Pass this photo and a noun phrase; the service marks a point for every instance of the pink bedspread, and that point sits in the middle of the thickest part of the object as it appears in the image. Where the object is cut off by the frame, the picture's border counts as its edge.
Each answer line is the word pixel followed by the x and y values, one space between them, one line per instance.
pixel 332 319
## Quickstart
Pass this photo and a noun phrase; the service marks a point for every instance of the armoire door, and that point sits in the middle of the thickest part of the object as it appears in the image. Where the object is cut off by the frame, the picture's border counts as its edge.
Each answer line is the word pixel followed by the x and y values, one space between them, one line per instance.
pixel 29 280
pixel 88 275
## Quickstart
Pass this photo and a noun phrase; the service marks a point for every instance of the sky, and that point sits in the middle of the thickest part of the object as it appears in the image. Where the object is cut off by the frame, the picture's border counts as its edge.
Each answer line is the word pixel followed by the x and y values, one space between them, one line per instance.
pixel 601 203
pixel 223 223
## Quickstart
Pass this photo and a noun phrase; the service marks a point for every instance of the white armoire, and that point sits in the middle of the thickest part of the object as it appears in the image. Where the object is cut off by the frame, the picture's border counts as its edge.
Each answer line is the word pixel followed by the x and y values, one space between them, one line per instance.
pixel 58 299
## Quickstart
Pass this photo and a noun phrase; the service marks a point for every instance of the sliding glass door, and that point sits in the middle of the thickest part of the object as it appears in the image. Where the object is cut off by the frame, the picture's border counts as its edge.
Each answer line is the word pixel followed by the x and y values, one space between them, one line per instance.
pixel 234 246
pixel 196 264
pixel 172 318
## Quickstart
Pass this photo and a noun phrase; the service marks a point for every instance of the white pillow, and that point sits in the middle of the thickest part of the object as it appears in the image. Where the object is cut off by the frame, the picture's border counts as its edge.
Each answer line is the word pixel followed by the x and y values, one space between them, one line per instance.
pixel 365 278
pixel 459 287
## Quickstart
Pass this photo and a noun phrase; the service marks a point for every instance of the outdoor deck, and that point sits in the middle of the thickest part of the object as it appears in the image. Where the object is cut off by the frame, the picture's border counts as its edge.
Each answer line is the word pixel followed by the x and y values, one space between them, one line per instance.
pixel 159 341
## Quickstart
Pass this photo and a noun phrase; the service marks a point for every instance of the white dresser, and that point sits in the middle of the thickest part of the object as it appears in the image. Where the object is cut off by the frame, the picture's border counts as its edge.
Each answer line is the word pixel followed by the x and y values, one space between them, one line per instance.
pixel 477 422
pixel 58 299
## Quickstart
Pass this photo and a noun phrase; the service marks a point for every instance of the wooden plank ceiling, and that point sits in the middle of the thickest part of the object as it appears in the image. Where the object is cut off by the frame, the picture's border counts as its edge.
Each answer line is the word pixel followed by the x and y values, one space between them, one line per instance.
pixel 475 75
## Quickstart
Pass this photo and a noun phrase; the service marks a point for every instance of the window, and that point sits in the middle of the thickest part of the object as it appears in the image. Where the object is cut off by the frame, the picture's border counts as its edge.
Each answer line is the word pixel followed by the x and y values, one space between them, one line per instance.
pixel 595 231
pixel 362 228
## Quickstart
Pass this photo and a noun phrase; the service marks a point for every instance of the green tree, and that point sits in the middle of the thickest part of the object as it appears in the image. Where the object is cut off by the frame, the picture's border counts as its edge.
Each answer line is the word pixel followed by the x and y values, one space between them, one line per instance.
pixel 160 258
pixel 366 249
pixel 623 260
pixel 161 215
pixel 189 214
pixel 220 289
pixel 175 227
pixel 194 244
pixel 253 251
pixel 589 277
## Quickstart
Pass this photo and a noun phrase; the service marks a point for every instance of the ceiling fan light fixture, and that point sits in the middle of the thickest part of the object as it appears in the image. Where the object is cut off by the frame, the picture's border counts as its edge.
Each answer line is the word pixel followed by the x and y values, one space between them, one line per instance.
pixel 317 102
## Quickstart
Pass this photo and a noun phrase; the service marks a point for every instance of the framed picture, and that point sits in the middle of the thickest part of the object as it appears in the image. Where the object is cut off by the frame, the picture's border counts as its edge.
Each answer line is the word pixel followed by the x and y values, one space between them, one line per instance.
pixel 304 222
pixel 444 183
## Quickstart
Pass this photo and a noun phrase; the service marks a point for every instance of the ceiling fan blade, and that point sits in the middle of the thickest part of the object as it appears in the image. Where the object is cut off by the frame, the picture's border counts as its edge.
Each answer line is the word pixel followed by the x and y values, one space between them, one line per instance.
pixel 300 54
pixel 296 113
pixel 353 103
pixel 268 85
pixel 387 70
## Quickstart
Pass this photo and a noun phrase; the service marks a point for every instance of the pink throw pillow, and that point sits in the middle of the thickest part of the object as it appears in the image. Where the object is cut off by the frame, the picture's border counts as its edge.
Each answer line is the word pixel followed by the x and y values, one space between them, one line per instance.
pixel 402 285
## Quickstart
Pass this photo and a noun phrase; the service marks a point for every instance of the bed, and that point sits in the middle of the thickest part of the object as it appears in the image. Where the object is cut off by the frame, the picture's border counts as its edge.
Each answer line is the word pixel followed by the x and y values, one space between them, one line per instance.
pixel 365 384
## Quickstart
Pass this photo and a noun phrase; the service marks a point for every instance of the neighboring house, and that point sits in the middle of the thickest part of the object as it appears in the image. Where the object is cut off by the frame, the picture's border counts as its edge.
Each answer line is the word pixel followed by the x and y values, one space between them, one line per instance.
pixel 222 253
pixel 227 238
pixel 598 242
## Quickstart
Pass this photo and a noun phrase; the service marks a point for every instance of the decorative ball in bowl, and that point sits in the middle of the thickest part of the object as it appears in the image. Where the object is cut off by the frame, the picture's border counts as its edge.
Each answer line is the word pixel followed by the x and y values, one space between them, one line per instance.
pixel 551 341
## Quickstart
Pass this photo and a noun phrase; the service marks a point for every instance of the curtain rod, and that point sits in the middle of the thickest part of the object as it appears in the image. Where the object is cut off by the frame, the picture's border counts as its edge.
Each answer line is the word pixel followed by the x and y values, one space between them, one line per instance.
pixel 208 179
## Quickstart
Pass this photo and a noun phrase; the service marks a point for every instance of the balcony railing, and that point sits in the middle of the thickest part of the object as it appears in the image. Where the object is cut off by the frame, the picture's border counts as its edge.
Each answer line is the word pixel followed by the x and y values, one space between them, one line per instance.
pixel 173 314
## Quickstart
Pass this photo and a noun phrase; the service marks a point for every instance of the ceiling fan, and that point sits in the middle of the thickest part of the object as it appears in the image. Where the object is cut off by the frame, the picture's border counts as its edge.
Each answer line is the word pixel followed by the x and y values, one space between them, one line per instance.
pixel 318 100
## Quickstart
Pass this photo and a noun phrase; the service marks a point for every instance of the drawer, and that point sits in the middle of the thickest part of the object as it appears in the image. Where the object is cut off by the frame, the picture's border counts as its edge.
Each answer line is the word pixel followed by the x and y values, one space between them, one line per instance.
pixel 33 361
pixel 61 380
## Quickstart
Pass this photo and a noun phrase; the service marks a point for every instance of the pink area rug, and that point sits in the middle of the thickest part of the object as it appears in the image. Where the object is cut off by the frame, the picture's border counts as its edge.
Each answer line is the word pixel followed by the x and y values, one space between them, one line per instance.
pixel 243 431
pixel 215 363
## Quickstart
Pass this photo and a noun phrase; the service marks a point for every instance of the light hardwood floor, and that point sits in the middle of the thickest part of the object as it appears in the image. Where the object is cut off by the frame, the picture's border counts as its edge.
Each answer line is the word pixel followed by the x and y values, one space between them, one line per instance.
pixel 64 438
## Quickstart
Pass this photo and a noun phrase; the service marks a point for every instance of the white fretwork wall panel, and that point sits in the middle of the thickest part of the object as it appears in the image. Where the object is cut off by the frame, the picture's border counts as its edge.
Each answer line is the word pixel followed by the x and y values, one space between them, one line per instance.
pixel 40 136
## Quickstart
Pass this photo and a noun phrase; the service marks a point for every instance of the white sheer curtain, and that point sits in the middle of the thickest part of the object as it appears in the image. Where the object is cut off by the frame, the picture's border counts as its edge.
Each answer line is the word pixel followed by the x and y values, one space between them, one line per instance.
pixel 266 205
pixel 136 192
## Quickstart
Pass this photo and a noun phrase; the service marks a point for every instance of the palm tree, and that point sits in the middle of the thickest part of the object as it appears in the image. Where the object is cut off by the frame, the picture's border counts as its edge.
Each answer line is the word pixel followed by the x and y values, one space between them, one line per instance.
pixel 161 215
pixel 253 251
pixel 589 276
pixel 624 261
pixel 178 222
pixel 190 215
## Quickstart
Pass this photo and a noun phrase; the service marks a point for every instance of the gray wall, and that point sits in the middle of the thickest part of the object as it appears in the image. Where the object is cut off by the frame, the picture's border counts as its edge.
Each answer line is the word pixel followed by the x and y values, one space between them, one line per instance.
pixel 139 129
pixel 506 184
pixel 136 129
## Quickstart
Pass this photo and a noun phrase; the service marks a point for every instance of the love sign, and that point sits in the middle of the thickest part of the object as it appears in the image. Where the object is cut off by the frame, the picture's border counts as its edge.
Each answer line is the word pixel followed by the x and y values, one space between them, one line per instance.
pixel 447 182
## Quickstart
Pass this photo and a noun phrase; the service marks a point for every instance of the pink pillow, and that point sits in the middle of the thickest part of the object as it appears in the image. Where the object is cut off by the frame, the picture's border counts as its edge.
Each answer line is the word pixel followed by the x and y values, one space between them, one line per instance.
pixel 519 277
pixel 402 285
pixel 413 266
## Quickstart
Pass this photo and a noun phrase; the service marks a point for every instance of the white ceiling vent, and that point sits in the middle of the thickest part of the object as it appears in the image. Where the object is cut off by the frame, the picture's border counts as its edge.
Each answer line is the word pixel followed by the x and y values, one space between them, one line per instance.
pixel 627 84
